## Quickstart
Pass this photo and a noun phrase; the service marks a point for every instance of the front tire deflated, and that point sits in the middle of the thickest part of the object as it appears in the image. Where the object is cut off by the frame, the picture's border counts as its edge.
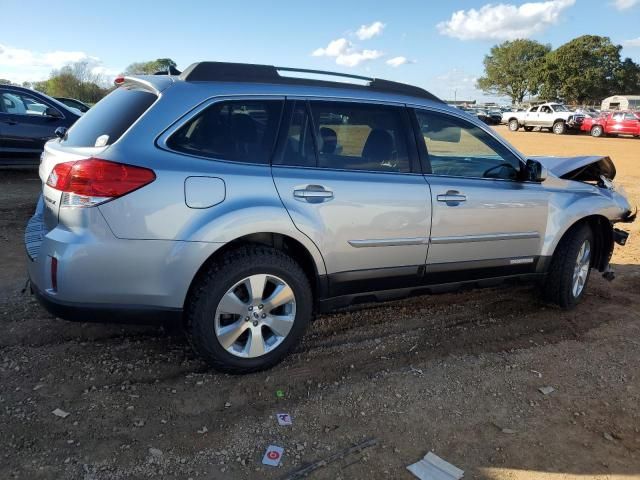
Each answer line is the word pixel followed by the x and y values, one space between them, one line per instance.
pixel 570 267
pixel 249 309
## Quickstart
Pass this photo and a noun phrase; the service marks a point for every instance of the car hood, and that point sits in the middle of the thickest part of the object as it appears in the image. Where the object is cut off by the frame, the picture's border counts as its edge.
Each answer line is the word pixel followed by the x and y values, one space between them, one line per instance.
pixel 582 169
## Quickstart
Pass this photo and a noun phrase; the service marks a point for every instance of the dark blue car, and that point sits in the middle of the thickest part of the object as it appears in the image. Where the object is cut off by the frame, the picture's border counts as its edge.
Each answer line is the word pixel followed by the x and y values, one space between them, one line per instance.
pixel 27 120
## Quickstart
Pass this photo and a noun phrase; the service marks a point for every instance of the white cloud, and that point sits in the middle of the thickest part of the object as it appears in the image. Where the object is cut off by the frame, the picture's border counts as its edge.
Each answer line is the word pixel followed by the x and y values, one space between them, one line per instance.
pixel 334 49
pixel 634 42
pixel 365 32
pixel 357 57
pixel 345 53
pixel 624 4
pixel 397 61
pixel 504 21
pixel 20 64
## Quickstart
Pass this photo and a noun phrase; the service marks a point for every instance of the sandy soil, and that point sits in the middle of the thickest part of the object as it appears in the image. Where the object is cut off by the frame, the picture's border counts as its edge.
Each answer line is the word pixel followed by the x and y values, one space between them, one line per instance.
pixel 457 374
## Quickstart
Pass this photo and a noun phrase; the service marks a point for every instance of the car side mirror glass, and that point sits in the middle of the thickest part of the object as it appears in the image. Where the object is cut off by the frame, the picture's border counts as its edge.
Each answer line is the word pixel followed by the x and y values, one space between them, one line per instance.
pixel 536 172
pixel 52 112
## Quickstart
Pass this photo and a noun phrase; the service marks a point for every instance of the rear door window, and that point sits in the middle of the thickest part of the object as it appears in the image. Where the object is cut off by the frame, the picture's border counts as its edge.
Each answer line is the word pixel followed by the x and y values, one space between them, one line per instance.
pixel 355 136
pixel 110 118
pixel 239 131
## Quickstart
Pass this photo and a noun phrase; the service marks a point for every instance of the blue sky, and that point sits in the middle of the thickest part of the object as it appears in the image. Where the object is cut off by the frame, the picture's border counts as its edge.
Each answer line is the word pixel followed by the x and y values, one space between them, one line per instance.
pixel 434 44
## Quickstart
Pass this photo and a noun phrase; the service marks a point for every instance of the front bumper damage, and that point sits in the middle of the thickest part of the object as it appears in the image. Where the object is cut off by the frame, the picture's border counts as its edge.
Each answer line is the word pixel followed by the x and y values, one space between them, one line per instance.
pixel 620 237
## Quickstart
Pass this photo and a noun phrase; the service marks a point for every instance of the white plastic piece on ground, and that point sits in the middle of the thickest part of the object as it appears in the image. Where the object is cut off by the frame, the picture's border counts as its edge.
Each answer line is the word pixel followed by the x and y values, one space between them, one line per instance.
pixel 432 467
pixel 546 390
pixel 284 419
pixel 60 413
pixel 273 455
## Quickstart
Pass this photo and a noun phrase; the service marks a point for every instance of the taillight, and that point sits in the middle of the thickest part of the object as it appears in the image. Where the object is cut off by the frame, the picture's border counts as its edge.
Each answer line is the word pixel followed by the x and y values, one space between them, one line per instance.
pixel 89 182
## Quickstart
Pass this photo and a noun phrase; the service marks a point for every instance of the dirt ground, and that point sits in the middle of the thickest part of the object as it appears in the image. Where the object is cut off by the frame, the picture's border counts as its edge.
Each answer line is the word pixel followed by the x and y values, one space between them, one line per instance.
pixel 457 374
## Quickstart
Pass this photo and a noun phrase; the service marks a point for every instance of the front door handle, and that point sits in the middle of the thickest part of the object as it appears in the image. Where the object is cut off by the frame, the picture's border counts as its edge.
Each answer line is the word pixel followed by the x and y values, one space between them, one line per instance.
pixel 11 122
pixel 452 196
pixel 313 194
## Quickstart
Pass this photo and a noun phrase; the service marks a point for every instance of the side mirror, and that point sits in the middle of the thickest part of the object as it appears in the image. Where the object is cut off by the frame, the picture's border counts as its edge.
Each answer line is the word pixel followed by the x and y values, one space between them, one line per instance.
pixel 536 172
pixel 61 132
pixel 52 112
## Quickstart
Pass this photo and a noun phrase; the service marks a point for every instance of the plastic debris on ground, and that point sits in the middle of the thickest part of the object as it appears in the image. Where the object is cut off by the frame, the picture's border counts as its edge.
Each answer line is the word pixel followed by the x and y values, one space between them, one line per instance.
pixel 546 390
pixel 60 413
pixel 284 419
pixel 273 455
pixel 279 393
pixel 432 467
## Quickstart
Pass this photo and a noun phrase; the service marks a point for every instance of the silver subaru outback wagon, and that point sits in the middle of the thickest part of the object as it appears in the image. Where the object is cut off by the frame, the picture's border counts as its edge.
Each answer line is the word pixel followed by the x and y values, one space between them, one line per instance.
pixel 242 199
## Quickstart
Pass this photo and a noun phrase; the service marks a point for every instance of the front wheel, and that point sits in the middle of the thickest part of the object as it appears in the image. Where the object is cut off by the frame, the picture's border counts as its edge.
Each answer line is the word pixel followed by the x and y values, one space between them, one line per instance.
pixel 559 127
pixel 597 131
pixel 514 125
pixel 570 266
pixel 249 310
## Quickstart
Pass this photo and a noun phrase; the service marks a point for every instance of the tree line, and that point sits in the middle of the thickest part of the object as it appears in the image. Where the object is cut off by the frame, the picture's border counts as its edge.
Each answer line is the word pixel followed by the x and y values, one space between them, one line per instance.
pixel 79 81
pixel 583 71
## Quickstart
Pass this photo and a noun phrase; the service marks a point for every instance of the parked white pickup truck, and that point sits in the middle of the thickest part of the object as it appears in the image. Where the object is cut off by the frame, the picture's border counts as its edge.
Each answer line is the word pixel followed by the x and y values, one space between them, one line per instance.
pixel 553 116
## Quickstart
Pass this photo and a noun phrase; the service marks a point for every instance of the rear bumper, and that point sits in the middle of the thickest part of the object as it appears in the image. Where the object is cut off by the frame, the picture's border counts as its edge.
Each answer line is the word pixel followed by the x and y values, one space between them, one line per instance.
pixel 98 277
pixel 108 313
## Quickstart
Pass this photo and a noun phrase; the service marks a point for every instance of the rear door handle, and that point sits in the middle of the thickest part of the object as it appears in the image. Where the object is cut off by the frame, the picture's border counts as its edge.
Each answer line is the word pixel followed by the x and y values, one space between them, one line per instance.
pixel 452 196
pixel 313 194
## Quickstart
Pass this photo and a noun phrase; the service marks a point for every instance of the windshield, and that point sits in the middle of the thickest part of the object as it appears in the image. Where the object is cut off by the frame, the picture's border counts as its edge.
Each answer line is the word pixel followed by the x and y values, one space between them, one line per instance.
pixel 559 108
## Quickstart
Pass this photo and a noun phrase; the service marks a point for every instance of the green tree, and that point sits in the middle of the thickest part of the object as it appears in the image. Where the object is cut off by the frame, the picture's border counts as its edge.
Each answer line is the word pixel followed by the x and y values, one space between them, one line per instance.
pixel 76 80
pixel 150 67
pixel 584 70
pixel 510 69
pixel 628 77
pixel 4 81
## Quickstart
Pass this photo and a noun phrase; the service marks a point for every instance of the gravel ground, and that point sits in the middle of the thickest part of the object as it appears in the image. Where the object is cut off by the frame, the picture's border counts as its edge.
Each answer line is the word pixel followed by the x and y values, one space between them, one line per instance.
pixel 457 374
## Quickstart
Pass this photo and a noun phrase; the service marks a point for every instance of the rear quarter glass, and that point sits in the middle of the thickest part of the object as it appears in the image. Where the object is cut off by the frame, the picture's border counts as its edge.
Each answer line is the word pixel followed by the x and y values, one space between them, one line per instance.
pixel 110 117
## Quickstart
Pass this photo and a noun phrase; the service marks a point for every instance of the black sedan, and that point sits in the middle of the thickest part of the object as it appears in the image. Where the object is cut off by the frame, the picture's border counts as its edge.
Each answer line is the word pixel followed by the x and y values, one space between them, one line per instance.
pixel 27 120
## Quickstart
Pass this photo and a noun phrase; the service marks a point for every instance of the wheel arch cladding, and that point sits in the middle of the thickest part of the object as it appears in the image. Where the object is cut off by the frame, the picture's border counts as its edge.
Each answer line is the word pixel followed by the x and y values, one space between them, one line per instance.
pixel 602 235
pixel 289 245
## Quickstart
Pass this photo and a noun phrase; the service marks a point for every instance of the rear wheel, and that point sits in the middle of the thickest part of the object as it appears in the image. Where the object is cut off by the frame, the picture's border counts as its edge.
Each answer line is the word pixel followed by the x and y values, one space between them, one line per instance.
pixel 568 274
pixel 597 131
pixel 249 310
pixel 528 129
pixel 514 125
pixel 559 127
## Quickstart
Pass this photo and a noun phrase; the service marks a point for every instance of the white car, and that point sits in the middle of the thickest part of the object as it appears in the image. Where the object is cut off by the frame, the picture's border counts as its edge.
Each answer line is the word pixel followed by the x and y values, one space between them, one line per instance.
pixel 553 116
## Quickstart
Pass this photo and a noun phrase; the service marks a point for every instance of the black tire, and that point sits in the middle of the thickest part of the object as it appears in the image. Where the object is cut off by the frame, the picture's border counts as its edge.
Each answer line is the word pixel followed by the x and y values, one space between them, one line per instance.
pixel 559 127
pixel 514 125
pixel 220 277
pixel 558 285
pixel 597 131
pixel 528 129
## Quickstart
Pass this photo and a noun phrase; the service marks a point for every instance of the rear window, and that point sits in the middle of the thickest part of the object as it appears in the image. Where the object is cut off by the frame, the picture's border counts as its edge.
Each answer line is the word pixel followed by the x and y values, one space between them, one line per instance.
pixel 109 118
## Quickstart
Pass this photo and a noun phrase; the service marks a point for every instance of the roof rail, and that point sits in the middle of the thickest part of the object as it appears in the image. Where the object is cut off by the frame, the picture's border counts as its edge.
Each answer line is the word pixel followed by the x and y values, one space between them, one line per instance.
pixel 252 73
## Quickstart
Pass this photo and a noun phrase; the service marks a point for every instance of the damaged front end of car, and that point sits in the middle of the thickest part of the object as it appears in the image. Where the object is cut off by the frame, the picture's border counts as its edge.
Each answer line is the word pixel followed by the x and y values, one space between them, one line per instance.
pixel 598 172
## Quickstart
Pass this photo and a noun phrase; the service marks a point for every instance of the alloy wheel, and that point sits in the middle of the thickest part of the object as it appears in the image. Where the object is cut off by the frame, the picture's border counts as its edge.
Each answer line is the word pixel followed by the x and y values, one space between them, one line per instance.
pixel 581 269
pixel 255 315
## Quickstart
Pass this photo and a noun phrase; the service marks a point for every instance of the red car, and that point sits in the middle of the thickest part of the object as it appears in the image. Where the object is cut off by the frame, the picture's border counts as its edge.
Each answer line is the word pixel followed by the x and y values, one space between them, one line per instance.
pixel 613 123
